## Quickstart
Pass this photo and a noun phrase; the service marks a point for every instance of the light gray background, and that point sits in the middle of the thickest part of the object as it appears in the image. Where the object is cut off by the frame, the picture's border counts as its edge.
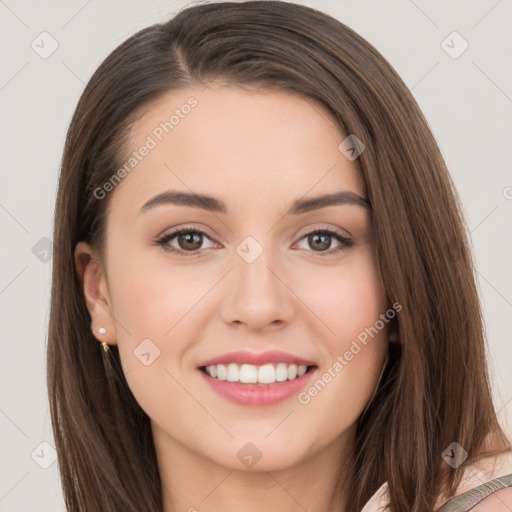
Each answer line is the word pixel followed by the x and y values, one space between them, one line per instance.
pixel 466 100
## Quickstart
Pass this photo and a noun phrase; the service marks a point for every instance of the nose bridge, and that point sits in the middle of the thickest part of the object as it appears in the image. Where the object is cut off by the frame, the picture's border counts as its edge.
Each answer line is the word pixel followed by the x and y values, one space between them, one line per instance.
pixel 258 295
pixel 255 265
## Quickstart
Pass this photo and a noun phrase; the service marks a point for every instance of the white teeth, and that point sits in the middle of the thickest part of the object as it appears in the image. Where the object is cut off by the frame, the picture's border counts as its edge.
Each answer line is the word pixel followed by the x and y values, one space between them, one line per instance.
pixel 266 374
pixel 233 373
pixel 221 371
pixel 292 371
pixel 281 372
pixel 248 374
pixel 251 374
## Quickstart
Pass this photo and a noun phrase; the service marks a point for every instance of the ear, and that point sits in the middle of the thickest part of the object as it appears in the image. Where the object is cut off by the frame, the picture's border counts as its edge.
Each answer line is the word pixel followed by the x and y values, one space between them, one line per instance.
pixel 92 278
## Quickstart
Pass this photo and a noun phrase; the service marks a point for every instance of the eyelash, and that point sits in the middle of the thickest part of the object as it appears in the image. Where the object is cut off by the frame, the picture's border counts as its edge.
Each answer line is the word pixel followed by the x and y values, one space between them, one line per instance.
pixel 163 241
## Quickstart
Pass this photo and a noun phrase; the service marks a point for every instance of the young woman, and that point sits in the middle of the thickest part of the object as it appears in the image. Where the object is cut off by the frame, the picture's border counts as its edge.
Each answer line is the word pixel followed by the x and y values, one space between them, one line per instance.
pixel 255 221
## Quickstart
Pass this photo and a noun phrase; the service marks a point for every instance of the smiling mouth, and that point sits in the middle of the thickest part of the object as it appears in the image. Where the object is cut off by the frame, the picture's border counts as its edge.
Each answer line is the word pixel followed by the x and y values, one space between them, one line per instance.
pixel 262 375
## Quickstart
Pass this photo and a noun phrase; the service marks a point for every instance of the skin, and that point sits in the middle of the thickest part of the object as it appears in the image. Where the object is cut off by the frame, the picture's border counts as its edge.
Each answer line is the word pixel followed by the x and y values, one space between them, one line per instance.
pixel 257 151
pixel 499 501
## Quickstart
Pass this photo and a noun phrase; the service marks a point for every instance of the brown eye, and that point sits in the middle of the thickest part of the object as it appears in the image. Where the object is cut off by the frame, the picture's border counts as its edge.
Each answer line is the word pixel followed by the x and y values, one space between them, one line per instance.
pixel 189 241
pixel 321 240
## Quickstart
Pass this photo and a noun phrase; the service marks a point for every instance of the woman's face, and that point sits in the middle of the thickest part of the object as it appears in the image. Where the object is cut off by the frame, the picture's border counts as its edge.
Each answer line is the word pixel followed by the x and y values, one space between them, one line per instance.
pixel 253 282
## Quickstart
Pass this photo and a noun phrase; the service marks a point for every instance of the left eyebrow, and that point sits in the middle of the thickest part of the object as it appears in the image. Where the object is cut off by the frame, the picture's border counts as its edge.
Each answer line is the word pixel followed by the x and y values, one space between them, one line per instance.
pixel 315 203
pixel 215 205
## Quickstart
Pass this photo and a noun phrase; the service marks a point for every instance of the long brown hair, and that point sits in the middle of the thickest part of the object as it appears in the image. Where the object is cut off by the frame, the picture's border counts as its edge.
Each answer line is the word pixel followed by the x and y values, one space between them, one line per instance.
pixel 435 389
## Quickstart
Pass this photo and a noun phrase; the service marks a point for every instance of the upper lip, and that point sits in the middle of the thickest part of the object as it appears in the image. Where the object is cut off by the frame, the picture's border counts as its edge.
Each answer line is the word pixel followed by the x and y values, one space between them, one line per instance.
pixel 257 358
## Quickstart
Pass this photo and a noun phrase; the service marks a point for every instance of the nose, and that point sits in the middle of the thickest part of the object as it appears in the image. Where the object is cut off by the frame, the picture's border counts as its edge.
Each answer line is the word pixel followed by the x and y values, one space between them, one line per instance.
pixel 258 295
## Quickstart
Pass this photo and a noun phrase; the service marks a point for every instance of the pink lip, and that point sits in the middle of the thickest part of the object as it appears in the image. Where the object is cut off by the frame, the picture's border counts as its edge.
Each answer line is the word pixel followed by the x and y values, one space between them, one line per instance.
pixel 258 394
pixel 257 359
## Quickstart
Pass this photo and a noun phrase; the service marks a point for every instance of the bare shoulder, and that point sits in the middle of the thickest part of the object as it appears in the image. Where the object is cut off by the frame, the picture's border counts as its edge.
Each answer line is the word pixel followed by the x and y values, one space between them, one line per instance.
pixel 499 501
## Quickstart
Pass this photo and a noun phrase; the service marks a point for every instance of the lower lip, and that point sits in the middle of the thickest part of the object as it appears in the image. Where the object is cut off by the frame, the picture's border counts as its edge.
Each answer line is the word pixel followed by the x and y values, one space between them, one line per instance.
pixel 258 394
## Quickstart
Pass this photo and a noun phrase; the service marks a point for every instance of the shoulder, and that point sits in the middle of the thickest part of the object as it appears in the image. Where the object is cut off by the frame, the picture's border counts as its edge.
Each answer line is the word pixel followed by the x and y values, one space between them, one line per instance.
pixel 478 473
pixel 499 501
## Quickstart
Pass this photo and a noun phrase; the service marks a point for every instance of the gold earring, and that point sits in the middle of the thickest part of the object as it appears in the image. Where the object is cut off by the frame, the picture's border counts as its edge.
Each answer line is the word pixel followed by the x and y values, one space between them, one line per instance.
pixel 102 330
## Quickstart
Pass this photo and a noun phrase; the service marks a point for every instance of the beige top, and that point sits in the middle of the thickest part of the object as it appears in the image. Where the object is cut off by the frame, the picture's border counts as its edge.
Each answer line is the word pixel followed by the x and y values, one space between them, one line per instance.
pixel 478 482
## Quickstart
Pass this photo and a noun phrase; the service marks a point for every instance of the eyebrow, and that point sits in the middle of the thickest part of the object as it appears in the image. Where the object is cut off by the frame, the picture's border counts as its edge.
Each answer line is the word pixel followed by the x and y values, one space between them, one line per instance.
pixel 215 205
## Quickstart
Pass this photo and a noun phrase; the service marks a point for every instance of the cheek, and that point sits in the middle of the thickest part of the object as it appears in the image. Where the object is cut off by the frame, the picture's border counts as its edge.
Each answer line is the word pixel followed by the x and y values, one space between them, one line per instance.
pixel 150 299
pixel 147 305
pixel 345 299
pixel 349 305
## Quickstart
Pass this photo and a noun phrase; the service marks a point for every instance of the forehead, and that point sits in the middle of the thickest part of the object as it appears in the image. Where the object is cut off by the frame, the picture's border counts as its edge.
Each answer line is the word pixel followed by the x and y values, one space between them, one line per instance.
pixel 243 145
